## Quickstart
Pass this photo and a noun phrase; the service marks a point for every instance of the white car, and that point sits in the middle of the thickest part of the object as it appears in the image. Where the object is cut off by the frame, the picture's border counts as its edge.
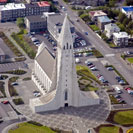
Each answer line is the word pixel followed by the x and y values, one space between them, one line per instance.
pixel 93 68
pixel 37 94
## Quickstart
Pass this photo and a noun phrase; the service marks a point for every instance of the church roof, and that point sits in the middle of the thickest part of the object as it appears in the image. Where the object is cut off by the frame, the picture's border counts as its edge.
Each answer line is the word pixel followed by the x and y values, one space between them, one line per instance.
pixel 46 61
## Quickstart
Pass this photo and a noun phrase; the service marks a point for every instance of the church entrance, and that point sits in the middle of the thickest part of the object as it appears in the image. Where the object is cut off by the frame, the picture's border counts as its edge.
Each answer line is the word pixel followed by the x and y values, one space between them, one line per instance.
pixel 66 105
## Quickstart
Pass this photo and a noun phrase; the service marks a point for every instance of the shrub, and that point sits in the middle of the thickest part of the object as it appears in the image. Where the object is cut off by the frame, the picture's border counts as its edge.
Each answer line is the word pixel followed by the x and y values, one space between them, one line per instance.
pixel 18 101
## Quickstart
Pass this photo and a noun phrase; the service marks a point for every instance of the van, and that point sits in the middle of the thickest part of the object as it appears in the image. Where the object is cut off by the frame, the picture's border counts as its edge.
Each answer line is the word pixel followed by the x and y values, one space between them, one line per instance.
pixel 118 90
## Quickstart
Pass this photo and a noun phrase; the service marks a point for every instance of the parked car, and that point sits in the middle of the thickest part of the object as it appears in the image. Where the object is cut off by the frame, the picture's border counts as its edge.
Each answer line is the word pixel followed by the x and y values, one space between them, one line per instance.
pixel 93 69
pixel 127 88
pixel 5 102
pixel 86 33
pixel 91 66
pixel 110 68
pixel 14 83
pixel 117 96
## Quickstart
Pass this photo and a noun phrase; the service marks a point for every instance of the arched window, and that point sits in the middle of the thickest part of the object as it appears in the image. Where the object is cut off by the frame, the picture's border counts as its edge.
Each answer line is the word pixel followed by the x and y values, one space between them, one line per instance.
pixel 66 95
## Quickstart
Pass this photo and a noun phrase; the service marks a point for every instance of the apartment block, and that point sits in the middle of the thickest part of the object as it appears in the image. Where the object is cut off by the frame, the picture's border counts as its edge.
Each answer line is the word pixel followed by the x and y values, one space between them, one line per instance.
pixel 12 11
pixel 120 39
pixel 36 23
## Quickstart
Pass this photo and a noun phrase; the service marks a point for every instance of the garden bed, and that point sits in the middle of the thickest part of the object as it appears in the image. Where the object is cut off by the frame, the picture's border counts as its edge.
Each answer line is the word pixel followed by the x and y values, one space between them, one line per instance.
pixel 108 128
pixel 19 38
pixel 2 89
pixel 16 72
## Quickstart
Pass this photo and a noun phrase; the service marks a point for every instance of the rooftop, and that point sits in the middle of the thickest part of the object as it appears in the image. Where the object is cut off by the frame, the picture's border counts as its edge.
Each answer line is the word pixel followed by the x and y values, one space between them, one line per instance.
pixel 104 19
pixel 97 13
pixel 112 26
pixel 38 18
pixel 43 3
pixel 121 35
pixel 128 8
pixel 12 6
pixel 46 61
pixel 3 1
pixel 1 52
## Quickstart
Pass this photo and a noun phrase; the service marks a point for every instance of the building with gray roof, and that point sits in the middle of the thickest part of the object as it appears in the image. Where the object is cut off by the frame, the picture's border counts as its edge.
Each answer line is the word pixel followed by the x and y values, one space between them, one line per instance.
pixel 110 29
pixel 102 21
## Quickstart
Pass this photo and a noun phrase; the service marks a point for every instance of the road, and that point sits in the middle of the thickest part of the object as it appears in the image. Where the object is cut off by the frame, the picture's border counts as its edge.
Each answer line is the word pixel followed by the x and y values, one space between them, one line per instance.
pixel 94 40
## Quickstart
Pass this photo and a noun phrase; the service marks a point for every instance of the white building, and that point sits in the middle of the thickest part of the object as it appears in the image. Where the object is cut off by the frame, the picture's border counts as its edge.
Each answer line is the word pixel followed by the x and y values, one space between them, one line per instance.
pixel 110 29
pixel 57 77
pixel 120 39
pixel 128 10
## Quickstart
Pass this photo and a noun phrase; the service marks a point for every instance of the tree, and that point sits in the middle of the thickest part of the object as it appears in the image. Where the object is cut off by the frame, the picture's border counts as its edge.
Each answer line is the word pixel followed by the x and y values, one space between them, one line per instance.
pixel 121 17
pixel 129 2
pixel 125 21
pixel 130 25
pixel 80 12
pixel 85 17
pixel 20 22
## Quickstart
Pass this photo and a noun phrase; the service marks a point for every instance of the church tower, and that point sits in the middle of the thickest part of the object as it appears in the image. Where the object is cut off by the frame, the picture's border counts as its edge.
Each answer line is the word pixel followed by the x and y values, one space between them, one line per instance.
pixel 66 92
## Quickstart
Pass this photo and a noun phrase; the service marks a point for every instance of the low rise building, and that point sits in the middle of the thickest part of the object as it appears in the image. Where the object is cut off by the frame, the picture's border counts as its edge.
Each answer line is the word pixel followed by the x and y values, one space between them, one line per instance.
pixel 102 21
pixel 36 23
pixel 95 14
pixel 3 1
pixel 110 29
pixel 120 39
pixel 128 10
pixel 12 11
pixel 30 1
pixel 2 56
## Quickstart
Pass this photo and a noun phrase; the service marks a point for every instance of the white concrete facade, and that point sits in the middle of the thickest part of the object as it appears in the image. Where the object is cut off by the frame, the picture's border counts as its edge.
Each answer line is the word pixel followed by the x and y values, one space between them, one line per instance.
pixel 67 92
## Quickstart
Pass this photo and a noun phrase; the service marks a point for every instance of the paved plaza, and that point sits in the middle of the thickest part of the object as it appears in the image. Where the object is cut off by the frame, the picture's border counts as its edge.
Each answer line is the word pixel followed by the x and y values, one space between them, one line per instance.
pixel 71 118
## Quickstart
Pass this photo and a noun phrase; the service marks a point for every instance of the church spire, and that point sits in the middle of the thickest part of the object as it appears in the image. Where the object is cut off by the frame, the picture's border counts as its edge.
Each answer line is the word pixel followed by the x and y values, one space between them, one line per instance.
pixel 65 37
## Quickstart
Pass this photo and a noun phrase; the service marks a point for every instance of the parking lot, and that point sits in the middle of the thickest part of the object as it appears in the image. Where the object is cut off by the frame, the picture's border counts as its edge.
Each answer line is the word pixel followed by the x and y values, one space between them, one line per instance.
pixel 26 89
pixel 6 49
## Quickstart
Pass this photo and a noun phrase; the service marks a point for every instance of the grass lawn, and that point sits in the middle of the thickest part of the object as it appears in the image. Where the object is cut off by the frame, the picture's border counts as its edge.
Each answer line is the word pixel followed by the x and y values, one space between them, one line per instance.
pixel 93 88
pixel 94 27
pixel 30 128
pixel 130 59
pixel 124 117
pixel 110 129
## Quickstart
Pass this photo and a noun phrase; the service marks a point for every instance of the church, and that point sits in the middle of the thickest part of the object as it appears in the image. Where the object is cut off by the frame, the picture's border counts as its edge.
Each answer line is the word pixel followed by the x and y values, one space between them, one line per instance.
pixel 56 77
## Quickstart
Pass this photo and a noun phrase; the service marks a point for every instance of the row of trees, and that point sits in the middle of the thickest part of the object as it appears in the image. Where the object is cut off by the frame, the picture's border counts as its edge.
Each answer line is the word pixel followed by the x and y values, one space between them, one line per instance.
pixel 126 24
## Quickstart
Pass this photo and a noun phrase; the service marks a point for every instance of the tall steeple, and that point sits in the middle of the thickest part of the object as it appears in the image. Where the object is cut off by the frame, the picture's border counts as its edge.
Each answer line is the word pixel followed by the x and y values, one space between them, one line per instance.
pixel 65 37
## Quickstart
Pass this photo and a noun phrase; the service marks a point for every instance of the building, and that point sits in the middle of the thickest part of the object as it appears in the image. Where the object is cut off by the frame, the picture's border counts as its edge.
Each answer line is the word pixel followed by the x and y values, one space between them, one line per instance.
pixel 2 56
pixel 30 1
pixel 3 1
pixel 54 24
pixel 57 78
pixel 95 14
pixel 120 39
pixel 102 21
pixel 128 10
pixel 88 2
pixel 110 29
pixel 12 11
pixel 36 23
